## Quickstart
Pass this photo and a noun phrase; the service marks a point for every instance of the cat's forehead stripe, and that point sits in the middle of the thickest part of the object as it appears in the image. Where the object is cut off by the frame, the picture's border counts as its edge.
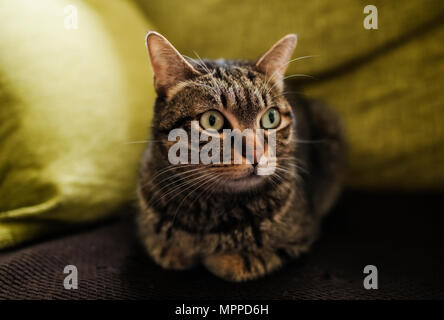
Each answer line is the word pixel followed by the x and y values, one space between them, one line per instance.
pixel 239 89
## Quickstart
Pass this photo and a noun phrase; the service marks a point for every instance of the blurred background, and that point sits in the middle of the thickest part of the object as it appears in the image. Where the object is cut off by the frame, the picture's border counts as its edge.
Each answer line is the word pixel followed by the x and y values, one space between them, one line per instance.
pixel 76 91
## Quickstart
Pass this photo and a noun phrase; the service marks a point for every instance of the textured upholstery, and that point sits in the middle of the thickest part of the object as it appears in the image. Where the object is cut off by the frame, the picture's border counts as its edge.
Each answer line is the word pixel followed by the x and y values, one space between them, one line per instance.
pixel 378 229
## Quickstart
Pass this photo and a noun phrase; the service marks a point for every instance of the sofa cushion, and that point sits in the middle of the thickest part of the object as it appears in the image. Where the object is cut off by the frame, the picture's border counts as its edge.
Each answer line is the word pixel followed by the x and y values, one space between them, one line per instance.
pixel 70 101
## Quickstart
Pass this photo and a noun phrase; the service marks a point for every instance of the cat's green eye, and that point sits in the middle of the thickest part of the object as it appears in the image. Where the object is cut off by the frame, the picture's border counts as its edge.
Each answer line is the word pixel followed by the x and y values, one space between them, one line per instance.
pixel 271 119
pixel 212 120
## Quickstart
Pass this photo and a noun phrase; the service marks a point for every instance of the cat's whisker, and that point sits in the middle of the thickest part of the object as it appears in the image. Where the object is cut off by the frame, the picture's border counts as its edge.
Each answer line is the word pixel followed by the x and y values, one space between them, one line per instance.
pixel 267 80
pixel 289 172
pixel 168 169
pixel 173 176
pixel 142 141
pixel 173 194
pixel 301 75
pixel 212 190
pixel 297 167
pixel 170 177
pixel 206 178
pixel 286 169
pixel 290 158
pixel 279 178
pixel 291 162
pixel 186 182
pixel 284 178
pixel 185 145
pixel 282 94
pixel 301 58
pixel 207 182
pixel 180 185
pixel 274 180
pixel 278 70
pixel 293 165
pixel 172 167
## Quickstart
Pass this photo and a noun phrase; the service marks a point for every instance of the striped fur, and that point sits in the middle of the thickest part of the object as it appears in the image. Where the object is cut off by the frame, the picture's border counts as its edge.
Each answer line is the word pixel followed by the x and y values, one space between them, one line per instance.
pixel 188 217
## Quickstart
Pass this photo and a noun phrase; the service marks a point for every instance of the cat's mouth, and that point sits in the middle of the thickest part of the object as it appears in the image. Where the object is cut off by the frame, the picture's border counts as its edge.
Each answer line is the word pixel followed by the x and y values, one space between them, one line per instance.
pixel 248 182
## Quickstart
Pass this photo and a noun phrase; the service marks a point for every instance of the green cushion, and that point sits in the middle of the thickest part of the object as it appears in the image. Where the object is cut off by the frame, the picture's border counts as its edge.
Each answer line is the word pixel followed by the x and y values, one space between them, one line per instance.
pixel 70 101
pixel 386 83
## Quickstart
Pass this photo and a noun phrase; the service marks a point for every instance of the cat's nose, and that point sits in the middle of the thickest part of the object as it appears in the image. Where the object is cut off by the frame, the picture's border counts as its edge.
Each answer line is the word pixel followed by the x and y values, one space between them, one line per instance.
pixel 252 147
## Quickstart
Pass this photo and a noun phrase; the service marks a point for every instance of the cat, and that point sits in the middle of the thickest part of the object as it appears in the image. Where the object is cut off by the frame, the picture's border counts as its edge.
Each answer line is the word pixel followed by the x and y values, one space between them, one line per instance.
pixel 238 224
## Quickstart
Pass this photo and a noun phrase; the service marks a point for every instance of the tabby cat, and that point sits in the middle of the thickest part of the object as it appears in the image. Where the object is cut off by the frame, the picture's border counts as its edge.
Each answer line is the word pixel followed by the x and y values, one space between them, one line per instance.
pixel 238 224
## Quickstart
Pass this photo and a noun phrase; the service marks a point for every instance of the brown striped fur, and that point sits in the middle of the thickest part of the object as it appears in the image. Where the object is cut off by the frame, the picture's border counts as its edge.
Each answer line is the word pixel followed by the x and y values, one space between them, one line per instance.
pixel 188 215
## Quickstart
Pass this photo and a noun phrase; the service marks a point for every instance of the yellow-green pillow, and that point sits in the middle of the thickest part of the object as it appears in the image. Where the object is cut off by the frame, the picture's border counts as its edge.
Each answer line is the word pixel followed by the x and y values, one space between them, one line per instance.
pixel 70 101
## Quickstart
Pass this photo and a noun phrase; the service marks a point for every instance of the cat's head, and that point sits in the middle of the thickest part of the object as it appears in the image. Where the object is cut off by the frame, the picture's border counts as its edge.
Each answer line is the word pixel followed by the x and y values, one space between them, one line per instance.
pixel 210 97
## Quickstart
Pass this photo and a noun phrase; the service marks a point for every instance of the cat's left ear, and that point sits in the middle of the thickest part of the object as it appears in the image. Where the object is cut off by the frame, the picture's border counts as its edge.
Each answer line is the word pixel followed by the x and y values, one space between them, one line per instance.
pixel 275 61
pixel 169 66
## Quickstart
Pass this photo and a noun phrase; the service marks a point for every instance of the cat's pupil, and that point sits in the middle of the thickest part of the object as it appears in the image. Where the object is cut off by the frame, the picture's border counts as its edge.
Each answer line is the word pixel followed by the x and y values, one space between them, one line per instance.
pixel 271 117
pixel 212 120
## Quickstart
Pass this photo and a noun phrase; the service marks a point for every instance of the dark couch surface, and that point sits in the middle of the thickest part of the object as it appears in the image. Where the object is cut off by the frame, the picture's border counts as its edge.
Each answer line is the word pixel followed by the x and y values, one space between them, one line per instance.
pixel 400 234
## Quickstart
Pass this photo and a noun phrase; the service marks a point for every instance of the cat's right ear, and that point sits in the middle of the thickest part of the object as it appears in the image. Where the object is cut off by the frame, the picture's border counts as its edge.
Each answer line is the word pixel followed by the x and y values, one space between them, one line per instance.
pixel 275 61
pixel 169 66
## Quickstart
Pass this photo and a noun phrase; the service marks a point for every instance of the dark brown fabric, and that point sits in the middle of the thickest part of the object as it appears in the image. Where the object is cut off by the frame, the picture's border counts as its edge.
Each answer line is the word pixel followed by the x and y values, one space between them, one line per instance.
pixel 400 234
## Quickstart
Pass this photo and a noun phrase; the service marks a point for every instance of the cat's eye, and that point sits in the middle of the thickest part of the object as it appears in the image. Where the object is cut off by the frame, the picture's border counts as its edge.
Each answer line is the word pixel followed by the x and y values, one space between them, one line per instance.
pixel 271 119
pixel 212 120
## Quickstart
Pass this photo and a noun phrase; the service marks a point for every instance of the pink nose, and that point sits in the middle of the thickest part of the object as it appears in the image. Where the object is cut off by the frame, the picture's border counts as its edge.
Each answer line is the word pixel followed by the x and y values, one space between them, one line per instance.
pixel 252 143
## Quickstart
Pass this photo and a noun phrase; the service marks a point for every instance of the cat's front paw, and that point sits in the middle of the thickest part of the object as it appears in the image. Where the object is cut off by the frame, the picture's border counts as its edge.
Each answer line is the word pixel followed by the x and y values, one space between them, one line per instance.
pixel 238 267
pixel 173 259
